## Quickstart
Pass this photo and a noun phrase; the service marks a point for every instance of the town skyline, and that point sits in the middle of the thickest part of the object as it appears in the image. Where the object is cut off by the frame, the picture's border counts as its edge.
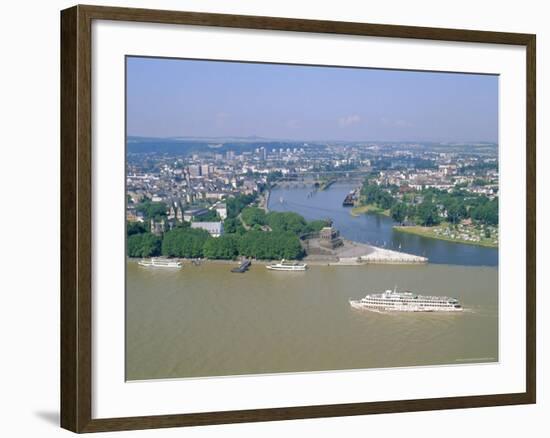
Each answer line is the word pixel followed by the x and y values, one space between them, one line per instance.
pixel 258 139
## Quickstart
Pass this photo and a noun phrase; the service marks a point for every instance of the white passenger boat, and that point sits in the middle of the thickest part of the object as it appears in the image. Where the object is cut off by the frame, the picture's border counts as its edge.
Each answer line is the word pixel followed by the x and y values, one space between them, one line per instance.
pixel 287 266
pixel 160 263
pixel 406 302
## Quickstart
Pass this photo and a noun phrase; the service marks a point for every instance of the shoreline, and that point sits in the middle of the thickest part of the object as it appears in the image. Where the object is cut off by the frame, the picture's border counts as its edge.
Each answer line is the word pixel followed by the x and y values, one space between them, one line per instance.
pixel 368 209
pixel 341 262
pixel 418 231
pixel 264 200
pixel 356 254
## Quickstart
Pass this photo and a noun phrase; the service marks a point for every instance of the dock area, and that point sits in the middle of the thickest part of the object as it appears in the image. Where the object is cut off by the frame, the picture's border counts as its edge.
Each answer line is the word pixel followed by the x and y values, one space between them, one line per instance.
pixel 243 267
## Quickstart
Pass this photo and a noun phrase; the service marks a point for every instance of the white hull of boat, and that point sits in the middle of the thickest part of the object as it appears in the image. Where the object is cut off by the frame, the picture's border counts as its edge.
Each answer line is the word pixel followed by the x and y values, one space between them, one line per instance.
pixel 160 264
pixel 402 308
pixel 287 268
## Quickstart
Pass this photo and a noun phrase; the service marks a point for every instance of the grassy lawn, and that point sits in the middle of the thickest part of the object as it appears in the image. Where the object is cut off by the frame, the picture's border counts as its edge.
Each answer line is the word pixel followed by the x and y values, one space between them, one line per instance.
pixel 368 208
pixel 430 232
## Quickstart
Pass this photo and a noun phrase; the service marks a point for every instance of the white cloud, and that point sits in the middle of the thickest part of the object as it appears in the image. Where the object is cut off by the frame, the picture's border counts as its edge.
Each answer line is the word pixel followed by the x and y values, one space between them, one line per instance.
pixel 399 123
pixel 348 120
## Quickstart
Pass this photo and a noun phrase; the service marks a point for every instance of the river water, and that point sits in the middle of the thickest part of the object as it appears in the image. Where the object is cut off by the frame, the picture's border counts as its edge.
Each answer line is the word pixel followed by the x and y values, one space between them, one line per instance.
pixel 206 321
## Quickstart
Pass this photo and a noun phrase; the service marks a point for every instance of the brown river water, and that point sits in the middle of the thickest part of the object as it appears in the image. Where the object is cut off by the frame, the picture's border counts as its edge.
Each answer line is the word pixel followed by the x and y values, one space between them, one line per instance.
pixel 206 321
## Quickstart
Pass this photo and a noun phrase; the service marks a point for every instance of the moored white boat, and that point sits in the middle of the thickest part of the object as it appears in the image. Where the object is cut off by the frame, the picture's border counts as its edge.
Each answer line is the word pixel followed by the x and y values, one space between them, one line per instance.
pixel 287 266
pixel 406 302
pixel 160 263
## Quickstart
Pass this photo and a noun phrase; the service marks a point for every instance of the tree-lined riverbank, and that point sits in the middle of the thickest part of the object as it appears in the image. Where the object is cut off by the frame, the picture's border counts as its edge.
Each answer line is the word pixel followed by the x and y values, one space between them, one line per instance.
pixel 249 232
pixel 428 206
pixel 454 215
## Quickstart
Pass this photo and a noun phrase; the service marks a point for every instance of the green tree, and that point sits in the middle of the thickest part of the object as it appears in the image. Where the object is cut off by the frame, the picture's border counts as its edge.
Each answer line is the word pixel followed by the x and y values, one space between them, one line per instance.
pixel 456 211
pixel 183 224
pixel 384 200
pixel 399 212
pixel 270 245
pixel 491 214
pixel 233 225
pixel 479 182
pixel 286 221
pixel 143 245
pixel 376 195
pixel 135 228
pixel 236 204
pixel 428 214
pixel 152 210
pixel 486 212
pixel 316 225
pixel 210 216
pixel 223 247
pixel 253 216
pixel 185 242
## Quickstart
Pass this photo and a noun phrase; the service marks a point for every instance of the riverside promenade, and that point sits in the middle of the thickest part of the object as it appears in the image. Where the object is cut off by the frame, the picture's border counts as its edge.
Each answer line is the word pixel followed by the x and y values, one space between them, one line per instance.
pixel 355 253
pixel 264 200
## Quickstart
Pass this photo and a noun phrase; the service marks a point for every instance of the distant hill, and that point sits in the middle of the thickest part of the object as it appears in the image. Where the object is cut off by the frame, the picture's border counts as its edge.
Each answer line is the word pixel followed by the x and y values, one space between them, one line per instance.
pixel 191 145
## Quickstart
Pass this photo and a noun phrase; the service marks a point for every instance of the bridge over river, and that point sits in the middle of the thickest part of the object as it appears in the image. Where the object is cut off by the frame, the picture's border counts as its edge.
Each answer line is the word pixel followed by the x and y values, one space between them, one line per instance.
pixel 308 179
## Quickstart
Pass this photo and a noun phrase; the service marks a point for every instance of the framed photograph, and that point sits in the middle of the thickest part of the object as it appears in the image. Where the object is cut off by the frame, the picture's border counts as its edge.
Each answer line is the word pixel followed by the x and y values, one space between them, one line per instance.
pixel 270 218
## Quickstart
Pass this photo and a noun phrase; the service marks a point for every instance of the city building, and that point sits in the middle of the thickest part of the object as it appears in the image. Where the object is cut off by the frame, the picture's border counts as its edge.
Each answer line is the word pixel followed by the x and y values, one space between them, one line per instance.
pixel 194 170
pixel 262 152
pixel 215 229
pixel 159 227
pixel 131 215
pixel 191 215
pixel 221 209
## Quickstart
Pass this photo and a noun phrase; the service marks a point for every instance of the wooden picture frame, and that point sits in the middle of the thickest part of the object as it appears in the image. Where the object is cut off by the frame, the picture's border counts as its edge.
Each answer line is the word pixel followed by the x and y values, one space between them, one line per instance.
pixel 76 217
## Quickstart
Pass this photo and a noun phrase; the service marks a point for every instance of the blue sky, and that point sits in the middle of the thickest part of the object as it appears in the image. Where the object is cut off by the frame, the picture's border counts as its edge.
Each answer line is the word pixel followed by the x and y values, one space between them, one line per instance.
pixel 173 97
